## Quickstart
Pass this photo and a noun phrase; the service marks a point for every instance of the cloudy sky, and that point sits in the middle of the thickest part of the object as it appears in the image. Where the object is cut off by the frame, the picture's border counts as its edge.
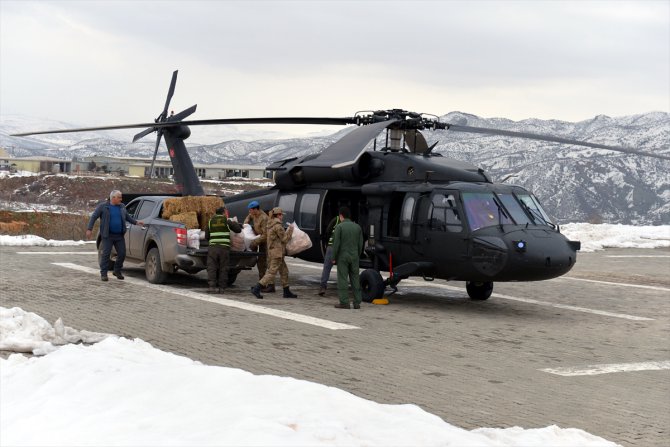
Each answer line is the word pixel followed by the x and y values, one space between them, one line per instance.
pixel 110 62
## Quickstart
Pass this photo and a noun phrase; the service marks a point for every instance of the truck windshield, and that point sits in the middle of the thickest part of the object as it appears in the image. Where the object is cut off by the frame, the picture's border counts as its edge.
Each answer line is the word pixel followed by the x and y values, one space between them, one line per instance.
pixel 484 210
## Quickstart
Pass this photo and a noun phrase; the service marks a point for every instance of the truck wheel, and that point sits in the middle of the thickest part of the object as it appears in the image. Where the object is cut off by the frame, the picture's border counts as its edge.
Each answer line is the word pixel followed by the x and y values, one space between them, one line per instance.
pixel 232 276
pixel 152 267
pixel 479 291
pixel 372 285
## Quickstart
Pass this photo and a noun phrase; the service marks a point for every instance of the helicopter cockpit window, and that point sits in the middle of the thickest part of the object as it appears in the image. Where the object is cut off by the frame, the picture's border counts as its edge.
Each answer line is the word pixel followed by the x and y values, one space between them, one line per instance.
pixel 444 214
pixel 533 207
pixel 308 209
pixel 514 208
pixel 287 204
pixel 406 217
pixel 483 210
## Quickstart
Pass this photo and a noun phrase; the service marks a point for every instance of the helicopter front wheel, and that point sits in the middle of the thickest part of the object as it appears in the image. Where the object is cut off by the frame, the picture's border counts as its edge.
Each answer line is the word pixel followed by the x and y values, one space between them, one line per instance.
pixel 372 285
pixel 479 291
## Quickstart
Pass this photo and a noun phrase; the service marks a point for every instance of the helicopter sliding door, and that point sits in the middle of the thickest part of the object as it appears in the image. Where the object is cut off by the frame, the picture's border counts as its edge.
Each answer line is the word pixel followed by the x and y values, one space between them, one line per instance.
pixel 446 234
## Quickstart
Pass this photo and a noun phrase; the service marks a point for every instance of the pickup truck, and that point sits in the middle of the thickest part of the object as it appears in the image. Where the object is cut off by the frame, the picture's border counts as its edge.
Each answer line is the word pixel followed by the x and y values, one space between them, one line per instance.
pixel 161 244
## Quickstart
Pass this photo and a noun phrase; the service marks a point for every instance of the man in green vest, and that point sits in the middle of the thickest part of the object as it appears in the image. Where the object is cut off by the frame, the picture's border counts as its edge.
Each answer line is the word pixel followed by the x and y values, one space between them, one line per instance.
pixel 347 248
pixel 218 253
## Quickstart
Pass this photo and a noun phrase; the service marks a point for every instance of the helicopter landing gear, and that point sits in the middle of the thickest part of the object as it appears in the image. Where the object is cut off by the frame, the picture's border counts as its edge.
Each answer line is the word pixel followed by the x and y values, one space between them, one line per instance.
pixel 372 285
pixel 479 291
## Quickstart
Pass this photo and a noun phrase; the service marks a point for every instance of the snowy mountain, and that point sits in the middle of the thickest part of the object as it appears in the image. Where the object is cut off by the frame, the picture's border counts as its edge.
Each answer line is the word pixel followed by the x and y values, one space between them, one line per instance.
pixel 575 184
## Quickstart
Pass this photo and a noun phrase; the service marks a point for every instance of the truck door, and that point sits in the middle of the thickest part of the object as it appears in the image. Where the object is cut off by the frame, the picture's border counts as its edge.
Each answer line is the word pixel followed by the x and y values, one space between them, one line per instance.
pixel 135 234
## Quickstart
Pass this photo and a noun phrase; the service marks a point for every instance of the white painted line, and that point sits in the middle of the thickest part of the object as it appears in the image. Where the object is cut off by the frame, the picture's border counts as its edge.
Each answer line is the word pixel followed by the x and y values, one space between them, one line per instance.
pixel 637 256
pixel 419 283
pixel 56 252
pixel 592 370
pixel 622 284
pixel 222 301
pixel 537 302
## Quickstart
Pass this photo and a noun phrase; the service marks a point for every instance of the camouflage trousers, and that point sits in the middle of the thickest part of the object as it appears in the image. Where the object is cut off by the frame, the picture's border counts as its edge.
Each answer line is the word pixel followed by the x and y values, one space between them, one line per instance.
pixel 275 265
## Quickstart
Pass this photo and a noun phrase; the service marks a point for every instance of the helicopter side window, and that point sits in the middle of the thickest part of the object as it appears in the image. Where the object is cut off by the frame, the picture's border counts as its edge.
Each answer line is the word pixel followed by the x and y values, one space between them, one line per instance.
pixel 444 214
pixel 483 210
pixel 309 205
pixel 287 204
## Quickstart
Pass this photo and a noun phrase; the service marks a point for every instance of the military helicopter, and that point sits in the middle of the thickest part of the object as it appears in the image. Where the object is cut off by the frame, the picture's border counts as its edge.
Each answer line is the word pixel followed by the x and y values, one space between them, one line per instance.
pixel 422 214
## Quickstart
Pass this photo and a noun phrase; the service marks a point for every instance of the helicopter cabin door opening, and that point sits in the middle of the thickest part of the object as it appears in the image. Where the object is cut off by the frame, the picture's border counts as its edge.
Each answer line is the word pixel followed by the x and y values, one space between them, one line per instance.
pixel 332 202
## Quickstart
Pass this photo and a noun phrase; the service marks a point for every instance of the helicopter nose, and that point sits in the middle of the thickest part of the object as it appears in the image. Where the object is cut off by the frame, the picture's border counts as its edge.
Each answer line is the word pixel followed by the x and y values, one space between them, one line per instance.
pixel 539 254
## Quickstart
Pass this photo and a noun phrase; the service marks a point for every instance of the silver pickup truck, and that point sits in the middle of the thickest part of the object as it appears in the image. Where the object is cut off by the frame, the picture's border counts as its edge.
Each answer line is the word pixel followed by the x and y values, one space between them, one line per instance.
pixel 161 244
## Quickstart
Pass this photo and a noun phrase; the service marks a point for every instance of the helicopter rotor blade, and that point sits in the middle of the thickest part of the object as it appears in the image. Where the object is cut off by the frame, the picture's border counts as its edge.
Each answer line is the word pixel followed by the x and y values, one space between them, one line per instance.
pixel 153 159
pixel 173 83
pixel 209 122
pixel 143 134
pixel 183 114
pixel 348 149
pixel 534 136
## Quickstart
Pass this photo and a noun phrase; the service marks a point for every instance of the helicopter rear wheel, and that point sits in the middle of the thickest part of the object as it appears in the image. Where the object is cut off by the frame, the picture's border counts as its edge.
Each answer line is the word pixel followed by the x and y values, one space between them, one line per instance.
pixel 479 291
pixel 372 285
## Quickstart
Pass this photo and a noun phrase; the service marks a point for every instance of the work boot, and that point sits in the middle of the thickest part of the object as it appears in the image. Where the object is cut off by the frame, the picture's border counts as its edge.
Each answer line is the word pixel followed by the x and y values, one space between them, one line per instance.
pixel 270 288
pixel 289 294
pixel 256 290
pixel 322 291
pixel 104 278
pixel 357 306
pixel 211 290
pixel 119 275
pixel 342 306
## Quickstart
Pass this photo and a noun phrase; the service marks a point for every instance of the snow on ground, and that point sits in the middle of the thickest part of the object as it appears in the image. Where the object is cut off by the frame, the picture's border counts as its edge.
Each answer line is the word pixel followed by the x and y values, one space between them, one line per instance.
pixel 593 237
pixel 31 240
pixel 126 393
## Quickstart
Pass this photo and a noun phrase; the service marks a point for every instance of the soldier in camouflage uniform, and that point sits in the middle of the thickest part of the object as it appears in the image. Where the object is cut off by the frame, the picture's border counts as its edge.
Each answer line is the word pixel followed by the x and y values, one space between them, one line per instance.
pixel 259 222
pixel 276 240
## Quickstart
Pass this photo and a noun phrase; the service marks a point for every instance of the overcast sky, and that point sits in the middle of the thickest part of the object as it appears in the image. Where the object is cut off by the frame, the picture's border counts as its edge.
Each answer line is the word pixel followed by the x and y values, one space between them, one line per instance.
pixel 110 62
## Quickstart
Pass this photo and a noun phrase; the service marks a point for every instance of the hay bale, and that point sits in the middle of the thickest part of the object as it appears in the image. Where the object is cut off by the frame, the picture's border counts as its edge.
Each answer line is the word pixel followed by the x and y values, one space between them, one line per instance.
pixel 204 206
pixel 178 205
pixel 190 219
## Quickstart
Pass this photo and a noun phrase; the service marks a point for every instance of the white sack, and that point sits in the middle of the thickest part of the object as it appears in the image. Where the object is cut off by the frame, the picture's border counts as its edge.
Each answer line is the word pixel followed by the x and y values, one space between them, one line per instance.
pixel 193 238
pixel 249 236
pixel 236 239
pixel 299 241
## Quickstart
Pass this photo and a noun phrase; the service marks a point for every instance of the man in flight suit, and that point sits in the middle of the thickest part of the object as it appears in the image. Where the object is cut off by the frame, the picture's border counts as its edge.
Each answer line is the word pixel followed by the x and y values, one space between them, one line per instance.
pixel 347 248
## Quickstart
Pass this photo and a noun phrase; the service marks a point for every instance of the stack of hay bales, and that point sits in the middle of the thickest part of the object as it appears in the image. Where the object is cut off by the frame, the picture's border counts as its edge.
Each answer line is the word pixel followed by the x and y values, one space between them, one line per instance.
pixel 192 211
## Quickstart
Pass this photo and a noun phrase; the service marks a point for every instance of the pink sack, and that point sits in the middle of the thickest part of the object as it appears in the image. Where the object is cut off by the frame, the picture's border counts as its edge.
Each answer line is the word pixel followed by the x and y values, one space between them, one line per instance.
pixel 299 241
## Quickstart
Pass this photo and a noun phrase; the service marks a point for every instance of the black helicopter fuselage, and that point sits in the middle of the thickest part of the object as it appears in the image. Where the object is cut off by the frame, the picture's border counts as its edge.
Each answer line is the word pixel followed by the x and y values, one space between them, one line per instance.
pixel 422 215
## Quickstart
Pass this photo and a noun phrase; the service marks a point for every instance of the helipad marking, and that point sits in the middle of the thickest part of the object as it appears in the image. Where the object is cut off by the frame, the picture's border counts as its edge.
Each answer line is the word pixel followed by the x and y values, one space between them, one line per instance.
pixel 541 303
pixel 592 370
pixel 622 284
pixel 56 252
pixel 223 301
